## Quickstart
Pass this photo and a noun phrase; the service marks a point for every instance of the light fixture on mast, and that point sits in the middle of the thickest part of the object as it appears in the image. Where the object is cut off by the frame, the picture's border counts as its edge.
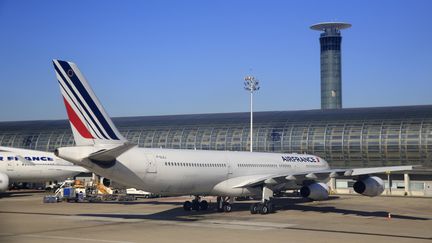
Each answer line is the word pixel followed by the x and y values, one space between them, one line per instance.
pixel 251 84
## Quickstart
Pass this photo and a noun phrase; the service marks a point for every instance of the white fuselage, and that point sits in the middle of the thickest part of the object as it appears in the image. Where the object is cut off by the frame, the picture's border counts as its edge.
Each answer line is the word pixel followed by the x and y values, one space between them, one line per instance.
pixel 36 166
pixel 199 172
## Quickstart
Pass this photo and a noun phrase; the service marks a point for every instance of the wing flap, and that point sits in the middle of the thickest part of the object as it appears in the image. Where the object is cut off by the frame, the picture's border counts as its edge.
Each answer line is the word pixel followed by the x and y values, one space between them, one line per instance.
pixel 317 175
pixel 365 171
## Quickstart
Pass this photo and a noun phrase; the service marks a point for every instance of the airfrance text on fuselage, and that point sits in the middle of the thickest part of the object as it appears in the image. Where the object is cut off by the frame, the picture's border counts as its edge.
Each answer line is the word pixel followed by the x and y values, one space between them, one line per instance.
pixel 300 159
pixel 29 158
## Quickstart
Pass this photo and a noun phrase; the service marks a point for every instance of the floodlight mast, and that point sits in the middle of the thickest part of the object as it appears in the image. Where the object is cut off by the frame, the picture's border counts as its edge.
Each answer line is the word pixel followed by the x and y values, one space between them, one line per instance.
pixel 251 84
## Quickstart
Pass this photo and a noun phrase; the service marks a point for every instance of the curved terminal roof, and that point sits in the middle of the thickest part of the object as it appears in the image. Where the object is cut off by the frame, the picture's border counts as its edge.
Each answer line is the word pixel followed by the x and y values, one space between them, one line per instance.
pixel 354 137
pixel 345 114
pixel 330 25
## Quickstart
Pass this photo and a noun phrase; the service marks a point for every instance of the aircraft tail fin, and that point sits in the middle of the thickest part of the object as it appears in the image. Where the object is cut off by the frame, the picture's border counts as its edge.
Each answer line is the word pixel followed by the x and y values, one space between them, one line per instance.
pixel 89 121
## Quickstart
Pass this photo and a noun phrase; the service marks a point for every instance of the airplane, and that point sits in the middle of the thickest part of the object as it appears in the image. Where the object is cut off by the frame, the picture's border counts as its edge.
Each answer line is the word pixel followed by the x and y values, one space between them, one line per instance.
pixel 225 174
pixel 23 165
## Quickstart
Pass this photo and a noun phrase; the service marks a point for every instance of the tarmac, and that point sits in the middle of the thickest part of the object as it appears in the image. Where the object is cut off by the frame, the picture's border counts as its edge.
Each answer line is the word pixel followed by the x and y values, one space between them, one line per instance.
pixel 25 218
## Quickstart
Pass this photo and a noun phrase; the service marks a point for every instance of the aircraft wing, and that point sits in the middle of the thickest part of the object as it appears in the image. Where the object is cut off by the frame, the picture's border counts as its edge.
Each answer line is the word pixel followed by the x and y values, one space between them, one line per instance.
pixel 317 175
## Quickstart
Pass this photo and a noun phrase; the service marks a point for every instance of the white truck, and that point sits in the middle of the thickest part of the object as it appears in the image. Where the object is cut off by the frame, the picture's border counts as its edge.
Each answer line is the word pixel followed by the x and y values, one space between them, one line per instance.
pixel 139 193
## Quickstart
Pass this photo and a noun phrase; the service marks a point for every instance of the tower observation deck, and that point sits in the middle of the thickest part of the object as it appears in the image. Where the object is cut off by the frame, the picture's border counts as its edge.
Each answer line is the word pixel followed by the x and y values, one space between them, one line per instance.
pixel 331 77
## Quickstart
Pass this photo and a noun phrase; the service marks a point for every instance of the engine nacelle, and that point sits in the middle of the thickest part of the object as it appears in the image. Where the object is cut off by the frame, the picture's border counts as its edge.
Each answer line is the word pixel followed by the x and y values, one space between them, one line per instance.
pixel 4 182
pixel 315 191
pixel 109 183
pixel 105 181
pixel 370 186
pixel 229 188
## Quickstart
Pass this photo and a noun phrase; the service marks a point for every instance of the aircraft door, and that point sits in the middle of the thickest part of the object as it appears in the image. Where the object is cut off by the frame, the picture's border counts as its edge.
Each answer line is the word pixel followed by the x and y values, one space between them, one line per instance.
pixel 152 166
pixel 428 189
pixel 229 169
pixel 10 166
pixel 229 166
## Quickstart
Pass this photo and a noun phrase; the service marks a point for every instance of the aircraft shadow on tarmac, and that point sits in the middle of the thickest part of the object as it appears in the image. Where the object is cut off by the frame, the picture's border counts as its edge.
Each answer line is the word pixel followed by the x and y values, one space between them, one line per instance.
pixel 16 194
pixel 283 204
pixel 179 215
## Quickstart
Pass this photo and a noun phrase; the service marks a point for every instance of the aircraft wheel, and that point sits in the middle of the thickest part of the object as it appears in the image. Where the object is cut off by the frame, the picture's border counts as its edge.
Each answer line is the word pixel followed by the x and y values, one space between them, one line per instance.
pixel 195 205
pixel 264 209
pixel 204 205
pixel 227 208
pixel 219 204
pixel 187 206
pixel 254 208
pixel 271 207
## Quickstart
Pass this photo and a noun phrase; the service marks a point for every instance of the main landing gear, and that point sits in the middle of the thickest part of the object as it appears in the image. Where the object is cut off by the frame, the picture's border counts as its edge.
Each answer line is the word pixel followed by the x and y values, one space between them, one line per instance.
pixel 197 204
pixel 224 204
pixel 262 208
pixel 267 205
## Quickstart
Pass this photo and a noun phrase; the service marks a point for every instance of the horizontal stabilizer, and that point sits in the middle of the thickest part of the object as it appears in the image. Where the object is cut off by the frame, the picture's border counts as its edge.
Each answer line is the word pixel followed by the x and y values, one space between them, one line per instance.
pixel 109 155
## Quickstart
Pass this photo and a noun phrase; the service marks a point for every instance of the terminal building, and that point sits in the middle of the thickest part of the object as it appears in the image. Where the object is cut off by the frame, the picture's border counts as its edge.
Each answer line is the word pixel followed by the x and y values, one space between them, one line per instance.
pixel 354 137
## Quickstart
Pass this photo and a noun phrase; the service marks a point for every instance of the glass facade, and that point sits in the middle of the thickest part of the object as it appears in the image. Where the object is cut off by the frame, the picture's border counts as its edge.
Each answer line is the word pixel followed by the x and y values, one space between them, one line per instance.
pixel 357 137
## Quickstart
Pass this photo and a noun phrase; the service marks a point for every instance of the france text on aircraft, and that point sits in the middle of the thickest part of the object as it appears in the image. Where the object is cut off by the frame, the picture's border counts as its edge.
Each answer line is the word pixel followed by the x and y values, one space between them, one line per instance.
pixel 23 165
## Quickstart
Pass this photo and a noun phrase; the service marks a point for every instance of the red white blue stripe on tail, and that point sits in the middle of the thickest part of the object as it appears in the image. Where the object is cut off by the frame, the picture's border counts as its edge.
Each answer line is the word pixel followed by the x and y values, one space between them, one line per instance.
pixel 90 123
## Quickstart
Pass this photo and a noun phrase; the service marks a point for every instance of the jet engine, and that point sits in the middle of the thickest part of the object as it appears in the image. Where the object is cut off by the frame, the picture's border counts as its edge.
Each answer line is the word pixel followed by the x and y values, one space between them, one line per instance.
pixel 4 182
pixel 370 186
pixel 105 181
pixel 109 183
pixel 315 191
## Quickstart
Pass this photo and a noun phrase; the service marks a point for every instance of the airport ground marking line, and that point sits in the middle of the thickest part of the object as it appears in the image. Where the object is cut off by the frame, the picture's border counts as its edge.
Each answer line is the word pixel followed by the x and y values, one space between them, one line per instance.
pixel 249 223
pixel 72 238
pixel 359 233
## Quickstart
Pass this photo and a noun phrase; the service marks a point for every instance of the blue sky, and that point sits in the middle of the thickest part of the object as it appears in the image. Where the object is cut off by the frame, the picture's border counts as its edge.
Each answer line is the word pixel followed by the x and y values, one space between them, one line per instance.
pixel 182 57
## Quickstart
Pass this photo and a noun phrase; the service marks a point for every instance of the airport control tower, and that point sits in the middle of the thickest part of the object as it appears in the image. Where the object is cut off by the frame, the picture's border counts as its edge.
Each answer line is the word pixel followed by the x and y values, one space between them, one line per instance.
pixel 331 79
